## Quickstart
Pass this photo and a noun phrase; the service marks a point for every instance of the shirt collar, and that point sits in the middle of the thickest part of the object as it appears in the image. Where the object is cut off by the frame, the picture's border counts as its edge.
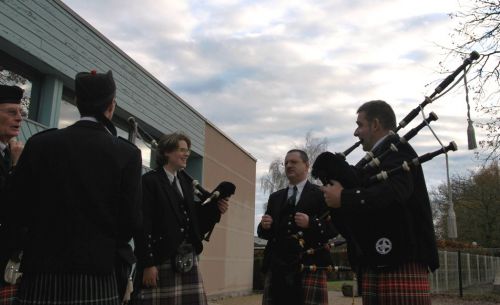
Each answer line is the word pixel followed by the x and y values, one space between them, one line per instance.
pixel 88 118
pixel 170 175
pixel 379 141
pixel 92 119
pixel 300 185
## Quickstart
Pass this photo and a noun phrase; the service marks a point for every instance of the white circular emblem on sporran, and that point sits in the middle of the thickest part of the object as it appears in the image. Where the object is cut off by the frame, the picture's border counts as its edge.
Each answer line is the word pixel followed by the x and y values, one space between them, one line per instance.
pixel 383 246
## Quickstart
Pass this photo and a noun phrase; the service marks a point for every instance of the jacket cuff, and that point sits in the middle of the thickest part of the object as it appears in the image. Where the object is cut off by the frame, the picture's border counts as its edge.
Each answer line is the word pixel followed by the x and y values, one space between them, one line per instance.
pixel 148 251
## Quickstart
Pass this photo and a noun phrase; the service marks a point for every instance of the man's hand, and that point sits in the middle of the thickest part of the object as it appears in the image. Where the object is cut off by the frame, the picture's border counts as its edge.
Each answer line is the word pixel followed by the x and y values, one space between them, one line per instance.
pixel 16 148
pixel 266 222
pixel 150 277
pixel 223 205
pixel 332 193
pixel 302 220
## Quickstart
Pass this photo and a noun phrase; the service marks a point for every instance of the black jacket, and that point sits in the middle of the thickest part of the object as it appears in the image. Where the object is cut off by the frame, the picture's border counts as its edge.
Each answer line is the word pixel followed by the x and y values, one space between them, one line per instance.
pixel 164 225
pixel 77 191
pixel 312 203
pixel 7 236
pixel 388 223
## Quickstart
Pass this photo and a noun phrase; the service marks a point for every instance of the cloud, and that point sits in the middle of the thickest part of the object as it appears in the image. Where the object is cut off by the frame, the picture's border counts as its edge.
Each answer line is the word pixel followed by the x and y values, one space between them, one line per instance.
pixel 267 72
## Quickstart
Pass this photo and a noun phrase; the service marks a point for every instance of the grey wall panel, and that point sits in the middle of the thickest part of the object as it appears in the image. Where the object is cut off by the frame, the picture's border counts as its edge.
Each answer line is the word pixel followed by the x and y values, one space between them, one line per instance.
pixel 51 32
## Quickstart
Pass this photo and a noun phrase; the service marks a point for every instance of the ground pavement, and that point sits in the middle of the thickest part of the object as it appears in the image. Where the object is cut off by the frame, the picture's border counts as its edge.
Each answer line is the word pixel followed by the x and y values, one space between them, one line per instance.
pixel 336 298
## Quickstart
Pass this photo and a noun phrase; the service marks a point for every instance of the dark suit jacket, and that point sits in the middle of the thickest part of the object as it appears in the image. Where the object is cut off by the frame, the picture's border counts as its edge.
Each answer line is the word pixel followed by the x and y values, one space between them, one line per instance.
pixel 163 221
pixel 4 173
pixel 312 203
pixel 389 222
pixel 78 193
pixel 6 235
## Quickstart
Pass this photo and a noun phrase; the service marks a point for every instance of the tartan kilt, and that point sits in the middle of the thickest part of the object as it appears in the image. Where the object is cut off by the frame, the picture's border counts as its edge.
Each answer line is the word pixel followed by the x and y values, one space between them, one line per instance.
pixel 67 288
pixel 406 284
pixel 314 288
pixel 175 288
pixel 8 294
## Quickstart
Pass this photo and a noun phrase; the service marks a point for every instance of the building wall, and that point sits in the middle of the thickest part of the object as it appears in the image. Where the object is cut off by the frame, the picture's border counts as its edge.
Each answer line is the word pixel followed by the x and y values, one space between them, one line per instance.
pixel 57 42
pixel 227 260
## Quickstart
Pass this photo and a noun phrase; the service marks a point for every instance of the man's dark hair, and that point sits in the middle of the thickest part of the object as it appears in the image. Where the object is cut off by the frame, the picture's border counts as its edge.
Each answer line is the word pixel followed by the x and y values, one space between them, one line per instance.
pixel 302 154
pixel 167 144
pixel 380 110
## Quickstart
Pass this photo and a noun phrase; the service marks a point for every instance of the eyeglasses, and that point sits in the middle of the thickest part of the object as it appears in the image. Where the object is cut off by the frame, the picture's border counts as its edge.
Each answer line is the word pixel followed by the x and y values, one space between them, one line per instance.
pixel 15 112
pixel 184 150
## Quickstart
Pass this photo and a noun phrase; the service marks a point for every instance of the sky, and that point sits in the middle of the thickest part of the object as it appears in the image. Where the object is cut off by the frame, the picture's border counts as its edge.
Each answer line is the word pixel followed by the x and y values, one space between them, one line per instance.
pixel 267 72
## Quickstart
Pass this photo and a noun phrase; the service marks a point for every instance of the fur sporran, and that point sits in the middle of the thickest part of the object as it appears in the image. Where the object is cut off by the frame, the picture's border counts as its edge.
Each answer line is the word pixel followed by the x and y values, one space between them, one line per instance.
pixel 184 258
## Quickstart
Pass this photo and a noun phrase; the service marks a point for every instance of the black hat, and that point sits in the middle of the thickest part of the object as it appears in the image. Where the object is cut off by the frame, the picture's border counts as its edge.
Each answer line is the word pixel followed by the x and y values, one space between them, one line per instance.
pixel 94 90
pixel 10 94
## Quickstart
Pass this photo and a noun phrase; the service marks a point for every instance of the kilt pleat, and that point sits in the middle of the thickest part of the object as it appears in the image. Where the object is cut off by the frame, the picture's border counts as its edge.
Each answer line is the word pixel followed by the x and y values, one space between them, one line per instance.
pixel 175 288
pixel 408 284
pixel 314 288
pixel 8 294
pixel 70 289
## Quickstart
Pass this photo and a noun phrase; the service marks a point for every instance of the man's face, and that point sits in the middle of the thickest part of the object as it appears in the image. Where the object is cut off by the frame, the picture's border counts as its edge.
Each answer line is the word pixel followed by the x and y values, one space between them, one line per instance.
pixel 10 121
pixel 295 168
pixel 364 132
pixel 177 159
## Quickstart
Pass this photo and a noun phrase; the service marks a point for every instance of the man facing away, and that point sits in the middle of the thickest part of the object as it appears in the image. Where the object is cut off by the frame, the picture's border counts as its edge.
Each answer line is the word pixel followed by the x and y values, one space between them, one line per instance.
pixel 78 195
pixel 296 220
pixel 390 221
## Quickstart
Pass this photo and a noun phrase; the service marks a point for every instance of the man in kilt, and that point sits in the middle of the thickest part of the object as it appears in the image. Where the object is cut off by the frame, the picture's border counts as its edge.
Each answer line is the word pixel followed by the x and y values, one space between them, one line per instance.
pixel 388 224
pixel 174 224
pixel 78 194
pixel 11 117
pixel 296 220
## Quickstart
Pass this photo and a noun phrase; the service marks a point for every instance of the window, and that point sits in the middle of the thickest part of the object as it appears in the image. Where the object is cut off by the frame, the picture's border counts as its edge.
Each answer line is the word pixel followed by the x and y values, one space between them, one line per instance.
pixel 68 113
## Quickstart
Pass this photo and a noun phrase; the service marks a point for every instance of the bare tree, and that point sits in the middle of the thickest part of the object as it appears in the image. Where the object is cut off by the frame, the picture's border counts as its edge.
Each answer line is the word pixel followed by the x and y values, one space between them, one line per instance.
pixel 275 178
pixel 476 199
pixel 10 78
pixel 479 29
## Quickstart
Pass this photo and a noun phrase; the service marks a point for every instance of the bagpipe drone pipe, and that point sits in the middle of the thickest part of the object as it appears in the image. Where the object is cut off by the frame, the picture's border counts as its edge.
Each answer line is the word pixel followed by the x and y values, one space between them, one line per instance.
pixel 333 166
pixel 410 116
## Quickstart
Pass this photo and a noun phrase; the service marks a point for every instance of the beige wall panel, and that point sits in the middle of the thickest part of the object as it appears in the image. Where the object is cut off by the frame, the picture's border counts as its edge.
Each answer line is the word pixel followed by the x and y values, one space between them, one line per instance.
pixel 227 260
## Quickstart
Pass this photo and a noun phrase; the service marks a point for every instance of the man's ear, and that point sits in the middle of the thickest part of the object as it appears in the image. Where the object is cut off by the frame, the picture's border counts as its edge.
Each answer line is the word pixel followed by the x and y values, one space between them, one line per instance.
pixel 376 124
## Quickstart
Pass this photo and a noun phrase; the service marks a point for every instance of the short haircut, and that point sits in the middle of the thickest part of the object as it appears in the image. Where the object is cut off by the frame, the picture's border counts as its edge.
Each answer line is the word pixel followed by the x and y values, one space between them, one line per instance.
pixel 302 154
pixel 380 110
pixel 167 144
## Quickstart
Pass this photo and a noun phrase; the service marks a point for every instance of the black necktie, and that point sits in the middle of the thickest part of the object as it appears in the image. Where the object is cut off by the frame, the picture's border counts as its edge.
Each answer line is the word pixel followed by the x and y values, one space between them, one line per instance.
pixel 293 198
pixel 176 188
pixel 6 157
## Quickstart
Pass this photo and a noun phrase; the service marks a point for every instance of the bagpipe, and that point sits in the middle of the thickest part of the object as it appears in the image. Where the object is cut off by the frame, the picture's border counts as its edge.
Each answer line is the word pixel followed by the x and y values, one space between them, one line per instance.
pixel 333 166
pixel 225 189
